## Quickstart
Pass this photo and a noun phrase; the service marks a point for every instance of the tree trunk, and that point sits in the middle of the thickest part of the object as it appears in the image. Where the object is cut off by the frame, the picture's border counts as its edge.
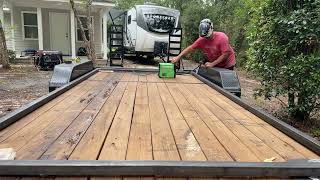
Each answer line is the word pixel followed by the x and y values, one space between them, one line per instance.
pixel 90 28
pixel 4 56
pixel 302 114
pixel 89 44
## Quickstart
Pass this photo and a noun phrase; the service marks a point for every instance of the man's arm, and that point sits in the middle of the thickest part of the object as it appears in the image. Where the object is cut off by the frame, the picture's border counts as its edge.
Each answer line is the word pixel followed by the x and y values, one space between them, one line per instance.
pixel 222 58
pixel 185 52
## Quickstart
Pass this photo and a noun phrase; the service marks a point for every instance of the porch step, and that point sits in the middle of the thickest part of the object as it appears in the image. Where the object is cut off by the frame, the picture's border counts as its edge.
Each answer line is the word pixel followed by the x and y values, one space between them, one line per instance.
pixel 22 60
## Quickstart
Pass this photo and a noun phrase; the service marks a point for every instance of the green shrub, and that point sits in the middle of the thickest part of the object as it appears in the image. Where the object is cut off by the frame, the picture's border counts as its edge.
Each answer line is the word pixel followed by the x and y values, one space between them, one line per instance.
pixel 12 55
pixel 284 52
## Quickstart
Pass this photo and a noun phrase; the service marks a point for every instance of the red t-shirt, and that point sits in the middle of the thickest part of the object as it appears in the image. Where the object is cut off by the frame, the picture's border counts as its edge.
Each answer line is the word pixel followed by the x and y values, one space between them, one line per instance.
pixel 213 48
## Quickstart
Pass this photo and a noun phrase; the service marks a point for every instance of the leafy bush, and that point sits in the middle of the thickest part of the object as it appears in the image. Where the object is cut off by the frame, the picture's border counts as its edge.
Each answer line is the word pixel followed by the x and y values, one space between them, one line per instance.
pixel 12 55
pixel 284 52
pixel 315 133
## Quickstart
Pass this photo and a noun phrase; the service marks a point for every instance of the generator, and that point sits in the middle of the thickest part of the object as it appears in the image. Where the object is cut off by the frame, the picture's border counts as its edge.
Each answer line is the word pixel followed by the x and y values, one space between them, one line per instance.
pixel 48 59
pixel 167 70
pixel 225 78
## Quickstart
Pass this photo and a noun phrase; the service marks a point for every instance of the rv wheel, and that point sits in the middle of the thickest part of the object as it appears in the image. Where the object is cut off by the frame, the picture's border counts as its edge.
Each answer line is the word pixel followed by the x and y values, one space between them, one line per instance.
pixel 138 56
pixel 150 58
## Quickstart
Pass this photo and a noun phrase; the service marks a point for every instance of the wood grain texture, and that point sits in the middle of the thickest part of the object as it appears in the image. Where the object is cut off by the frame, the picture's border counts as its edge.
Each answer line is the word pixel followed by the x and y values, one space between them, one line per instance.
pixel 286 151
pixel 140 143
pixel 142 117
pixel 42 140
pixel 236 149
pixel 68 140
pixel 256 145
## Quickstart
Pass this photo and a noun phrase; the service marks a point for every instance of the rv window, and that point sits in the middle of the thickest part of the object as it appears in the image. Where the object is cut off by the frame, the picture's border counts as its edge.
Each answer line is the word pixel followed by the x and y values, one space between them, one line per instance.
pixel 129 19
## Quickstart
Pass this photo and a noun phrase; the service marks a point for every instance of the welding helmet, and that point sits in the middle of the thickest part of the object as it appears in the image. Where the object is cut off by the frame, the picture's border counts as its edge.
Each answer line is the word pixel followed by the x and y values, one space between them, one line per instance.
pixel 205 28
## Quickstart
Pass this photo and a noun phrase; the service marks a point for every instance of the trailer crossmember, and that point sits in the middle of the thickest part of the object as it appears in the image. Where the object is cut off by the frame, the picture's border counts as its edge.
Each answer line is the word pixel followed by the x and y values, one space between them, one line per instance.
pixel 299 169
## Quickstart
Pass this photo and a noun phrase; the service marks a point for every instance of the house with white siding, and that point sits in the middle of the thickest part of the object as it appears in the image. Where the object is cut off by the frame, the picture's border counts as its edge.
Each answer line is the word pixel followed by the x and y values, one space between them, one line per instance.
pixel 51 25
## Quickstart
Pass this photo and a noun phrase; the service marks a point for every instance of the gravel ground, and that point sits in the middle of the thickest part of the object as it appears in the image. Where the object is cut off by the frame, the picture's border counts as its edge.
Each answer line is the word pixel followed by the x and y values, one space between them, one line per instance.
pixel 21 85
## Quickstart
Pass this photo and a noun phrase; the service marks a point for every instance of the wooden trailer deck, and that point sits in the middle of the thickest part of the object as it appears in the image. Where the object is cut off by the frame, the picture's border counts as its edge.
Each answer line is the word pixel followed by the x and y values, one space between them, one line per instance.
pixel 138 116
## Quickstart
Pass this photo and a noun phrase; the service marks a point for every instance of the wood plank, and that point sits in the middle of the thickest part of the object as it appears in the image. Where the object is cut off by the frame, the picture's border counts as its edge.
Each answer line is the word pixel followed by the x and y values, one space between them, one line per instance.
pixel 127 77
pixel 37 178
pixel 116 143
pixel 7 132
pixel 71 178
pixel 154 78
pixel 164 146
pixel 256 145
pixel 130 77
pixel 169 80
pixel 23 136
pixel 187 78
pixel 90 145
pixel 236 149
pixel 281 147
pixel 163 143
pixel 67 141
pixel 8 178
pixel 134 77
pixel 142 78
pixel 209 144
pixel 42 140
pixel 115 146
pixel 140 145
pixel 187 145
pixel 298 147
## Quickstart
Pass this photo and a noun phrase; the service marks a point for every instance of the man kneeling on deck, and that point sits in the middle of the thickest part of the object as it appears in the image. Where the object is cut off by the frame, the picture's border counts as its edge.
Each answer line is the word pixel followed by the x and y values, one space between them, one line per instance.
pixel 214 44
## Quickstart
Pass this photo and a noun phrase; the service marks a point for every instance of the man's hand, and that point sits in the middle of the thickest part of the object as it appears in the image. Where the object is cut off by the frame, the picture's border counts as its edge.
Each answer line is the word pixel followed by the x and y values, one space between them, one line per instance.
pixel 209 65
pixel 175 60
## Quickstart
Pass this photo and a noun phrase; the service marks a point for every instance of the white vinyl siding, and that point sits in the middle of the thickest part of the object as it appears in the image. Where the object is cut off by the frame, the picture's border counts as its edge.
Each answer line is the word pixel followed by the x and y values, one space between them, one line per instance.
pixel 7 30
pixel 22 44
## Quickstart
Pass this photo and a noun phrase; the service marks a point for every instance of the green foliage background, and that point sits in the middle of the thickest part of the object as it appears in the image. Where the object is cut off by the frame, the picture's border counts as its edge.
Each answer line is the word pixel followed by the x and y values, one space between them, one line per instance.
pixel 277 40
pixel 284 52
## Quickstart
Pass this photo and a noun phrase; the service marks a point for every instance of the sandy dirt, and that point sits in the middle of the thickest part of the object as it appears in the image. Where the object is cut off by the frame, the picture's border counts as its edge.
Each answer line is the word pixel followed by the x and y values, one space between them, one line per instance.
pixel 21 85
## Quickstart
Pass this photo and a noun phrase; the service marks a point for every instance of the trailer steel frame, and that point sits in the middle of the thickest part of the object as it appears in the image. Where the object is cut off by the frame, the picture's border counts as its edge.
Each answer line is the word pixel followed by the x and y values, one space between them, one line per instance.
pixel 303 168
pixel 159 168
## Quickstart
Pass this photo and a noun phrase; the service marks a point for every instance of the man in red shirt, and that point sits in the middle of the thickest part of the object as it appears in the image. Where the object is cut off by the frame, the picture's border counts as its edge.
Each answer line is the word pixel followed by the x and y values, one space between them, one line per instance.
pixel 215 45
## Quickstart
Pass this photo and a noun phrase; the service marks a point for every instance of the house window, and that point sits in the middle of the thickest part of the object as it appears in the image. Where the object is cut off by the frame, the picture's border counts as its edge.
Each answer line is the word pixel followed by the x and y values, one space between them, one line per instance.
pixel 83 20
pixel 30 25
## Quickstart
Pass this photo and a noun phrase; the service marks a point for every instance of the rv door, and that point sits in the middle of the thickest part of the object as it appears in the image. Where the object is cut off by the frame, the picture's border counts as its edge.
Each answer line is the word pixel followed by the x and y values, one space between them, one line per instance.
pixel 131 34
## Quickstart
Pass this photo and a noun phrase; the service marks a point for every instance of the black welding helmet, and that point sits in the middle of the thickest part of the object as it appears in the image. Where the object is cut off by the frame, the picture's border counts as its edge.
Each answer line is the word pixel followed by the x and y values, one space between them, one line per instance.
pixel 205 28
